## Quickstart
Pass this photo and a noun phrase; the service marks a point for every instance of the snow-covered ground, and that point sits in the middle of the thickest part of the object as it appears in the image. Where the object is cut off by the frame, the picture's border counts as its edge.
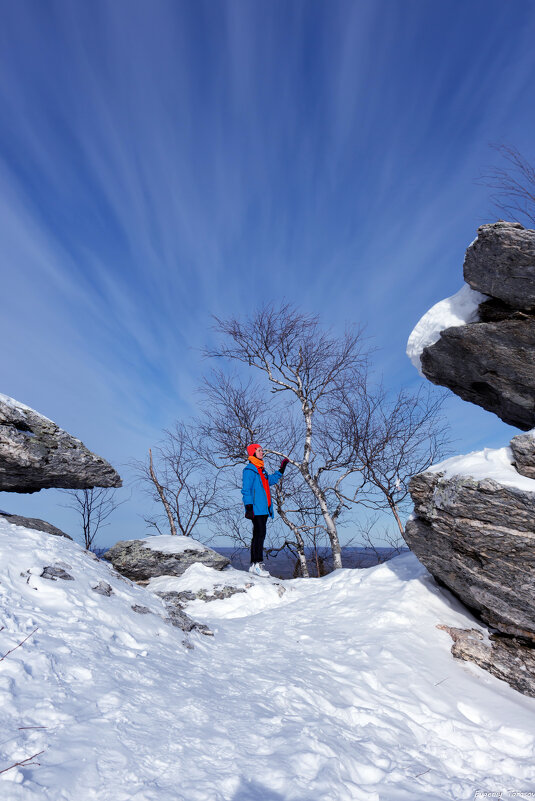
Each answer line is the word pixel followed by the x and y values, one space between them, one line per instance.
pixel 337 689
pixel 459 309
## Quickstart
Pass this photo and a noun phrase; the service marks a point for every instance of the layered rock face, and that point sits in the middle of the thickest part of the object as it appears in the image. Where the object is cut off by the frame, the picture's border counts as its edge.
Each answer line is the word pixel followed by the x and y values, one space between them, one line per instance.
pixel 478 538
pixel 474 523
pixel 491 362
pixel 141 560
pixel 36 454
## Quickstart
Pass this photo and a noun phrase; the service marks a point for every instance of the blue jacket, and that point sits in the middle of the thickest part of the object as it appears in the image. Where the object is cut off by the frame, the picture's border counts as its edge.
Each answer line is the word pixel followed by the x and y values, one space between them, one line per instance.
pixel 253 490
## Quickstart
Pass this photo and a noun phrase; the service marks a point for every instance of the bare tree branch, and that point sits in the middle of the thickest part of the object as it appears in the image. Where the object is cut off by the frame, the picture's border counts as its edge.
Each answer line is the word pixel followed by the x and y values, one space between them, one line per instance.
pixel 181 477
pixel 94 507
pixel 19 644
pixel 514 184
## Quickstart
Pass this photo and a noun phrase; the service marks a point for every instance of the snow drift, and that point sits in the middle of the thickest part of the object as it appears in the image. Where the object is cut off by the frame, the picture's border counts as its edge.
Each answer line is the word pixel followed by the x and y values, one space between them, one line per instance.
pixel 334 689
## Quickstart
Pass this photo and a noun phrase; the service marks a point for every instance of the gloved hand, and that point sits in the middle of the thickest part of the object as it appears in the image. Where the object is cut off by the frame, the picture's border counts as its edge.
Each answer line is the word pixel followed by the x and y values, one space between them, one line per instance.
pixel 282 468
pixel 249 513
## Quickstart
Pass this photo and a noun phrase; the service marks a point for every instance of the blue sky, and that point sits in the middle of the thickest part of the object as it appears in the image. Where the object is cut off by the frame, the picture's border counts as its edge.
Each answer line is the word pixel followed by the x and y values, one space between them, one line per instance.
pixel 161 162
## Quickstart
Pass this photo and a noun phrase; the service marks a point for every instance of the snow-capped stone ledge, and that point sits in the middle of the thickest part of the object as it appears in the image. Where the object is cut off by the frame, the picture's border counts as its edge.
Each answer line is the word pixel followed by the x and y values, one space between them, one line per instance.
pixel 495 464
pixel 142 560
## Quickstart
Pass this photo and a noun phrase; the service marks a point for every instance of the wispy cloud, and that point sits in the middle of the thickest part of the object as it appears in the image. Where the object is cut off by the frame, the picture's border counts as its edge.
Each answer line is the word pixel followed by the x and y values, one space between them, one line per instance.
pixel 163 162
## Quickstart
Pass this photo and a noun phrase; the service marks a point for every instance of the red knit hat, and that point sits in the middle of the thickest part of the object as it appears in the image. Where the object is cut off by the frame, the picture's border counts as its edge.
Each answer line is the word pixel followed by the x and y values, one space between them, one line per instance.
pixel 251 449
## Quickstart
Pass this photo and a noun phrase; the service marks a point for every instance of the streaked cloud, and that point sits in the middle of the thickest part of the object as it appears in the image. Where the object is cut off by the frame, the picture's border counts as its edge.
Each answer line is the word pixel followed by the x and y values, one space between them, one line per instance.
pixel 161 162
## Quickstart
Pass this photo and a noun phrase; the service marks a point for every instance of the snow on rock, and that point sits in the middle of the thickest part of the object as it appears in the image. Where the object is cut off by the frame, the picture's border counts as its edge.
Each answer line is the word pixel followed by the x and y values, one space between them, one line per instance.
pixel 459 309
pixel 21 407
pixel 167 543
pixel 260 593
pixel 171 555
pixel 343 689
pixel 199 577
pixel 493 463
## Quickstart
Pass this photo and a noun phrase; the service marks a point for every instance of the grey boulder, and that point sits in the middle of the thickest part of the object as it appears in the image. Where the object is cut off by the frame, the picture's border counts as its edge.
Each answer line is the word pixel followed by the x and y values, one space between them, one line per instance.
pixel 501 263
pixel 523 447
pixel 36 454
pixel 477 538
pixel 141 560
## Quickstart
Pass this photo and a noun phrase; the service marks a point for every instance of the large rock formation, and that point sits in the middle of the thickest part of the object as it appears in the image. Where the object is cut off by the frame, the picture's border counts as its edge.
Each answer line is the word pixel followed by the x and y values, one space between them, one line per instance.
pixel 141 560
pixel 474 523
pixel 36 454
pixel 491 362
pixel 476 536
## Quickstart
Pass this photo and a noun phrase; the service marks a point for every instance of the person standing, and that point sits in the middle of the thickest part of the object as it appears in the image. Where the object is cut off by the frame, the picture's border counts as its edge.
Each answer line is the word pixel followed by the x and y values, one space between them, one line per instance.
pixel 257 501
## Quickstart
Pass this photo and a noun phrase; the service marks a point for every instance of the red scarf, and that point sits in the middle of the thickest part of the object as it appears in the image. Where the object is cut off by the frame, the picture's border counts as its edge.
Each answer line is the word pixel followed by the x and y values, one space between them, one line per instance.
pixel 259 464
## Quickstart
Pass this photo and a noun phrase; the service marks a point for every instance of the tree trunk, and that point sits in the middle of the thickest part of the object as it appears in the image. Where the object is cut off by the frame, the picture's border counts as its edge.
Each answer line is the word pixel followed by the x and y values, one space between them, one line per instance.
pixel 302 558
pixel 394 509
pixel 330 525
pixel 162 496
pixel 300 544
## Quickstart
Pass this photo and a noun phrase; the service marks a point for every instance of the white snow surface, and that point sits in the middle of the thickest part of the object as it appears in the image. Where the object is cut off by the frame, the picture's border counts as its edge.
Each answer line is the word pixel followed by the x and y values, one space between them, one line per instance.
pixel 340 689
pixel 459 309
pixel 167 543
pixel 494 463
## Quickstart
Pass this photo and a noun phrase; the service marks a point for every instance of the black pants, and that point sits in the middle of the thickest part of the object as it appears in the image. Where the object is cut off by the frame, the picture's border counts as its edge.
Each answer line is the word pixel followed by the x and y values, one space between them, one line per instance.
pixel 259 534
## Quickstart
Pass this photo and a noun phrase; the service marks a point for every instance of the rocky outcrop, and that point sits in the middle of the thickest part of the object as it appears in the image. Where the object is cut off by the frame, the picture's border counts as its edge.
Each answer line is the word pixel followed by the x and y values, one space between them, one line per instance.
pixel 36 454
pixel 508 658
pixel 501 263
pixel 141 560
pixel 491 362
pixel 220 593
pixel 35 523
pixel 478 538
pixel 55 572
pixel 523 448
pixel 474 522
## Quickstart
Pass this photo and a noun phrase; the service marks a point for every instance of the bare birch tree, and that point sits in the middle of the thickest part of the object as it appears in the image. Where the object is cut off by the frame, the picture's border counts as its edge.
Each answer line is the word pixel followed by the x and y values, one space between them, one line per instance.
pixel 405 435
pixel 93 507
pixel 178 477
pixel 300 412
